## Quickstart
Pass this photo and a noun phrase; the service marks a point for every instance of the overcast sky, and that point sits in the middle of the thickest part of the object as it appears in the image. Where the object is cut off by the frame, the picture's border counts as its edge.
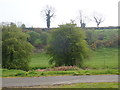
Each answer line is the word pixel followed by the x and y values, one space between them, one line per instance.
pixel 29 11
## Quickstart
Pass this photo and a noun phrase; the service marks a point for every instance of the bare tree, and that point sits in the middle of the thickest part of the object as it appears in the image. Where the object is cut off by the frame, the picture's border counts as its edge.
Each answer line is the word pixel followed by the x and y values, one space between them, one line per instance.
pixel 83 19
pixel 72 21
pixel 48 12
pixel 98 18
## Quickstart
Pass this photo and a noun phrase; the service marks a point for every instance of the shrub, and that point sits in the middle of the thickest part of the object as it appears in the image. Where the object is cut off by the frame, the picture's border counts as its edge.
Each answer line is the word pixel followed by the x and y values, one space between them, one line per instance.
pixel 90 36
pixel 39 39
pixel 16 50
pixel 34 38
pixel 68 46
pixel 102 38
pixel 44 38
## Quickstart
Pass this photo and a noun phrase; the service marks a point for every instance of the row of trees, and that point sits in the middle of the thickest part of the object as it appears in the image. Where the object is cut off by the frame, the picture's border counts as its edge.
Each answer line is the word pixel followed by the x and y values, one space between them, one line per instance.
pixel 49 13
pixel 18 24
pixel 66 46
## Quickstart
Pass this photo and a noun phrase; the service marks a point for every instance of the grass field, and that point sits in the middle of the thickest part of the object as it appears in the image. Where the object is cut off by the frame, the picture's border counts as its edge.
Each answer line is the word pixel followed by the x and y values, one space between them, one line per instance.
pixel 40 60
pixel 100 59
pixel 103 58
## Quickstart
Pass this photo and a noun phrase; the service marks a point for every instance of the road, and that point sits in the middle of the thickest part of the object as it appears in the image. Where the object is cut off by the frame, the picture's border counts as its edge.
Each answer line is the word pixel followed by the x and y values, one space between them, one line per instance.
pixel 56 80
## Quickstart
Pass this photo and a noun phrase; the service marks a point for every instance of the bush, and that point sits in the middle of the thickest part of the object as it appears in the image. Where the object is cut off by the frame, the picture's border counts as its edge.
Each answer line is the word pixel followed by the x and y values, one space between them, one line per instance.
pixel 102 38
pixel 38 39
pixel 44 38
pixel 90 36
pixel 68 46
pixel 16 50
pixel 34 38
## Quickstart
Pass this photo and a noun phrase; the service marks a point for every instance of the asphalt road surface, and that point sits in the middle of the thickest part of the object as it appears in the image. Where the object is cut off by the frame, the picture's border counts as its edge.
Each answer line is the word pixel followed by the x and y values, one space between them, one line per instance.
pixel 56 80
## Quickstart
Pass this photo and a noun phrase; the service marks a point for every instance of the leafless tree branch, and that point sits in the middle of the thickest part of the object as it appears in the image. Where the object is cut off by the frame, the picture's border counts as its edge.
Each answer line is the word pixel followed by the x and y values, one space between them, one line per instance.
pixel 48 12
pixel 98 19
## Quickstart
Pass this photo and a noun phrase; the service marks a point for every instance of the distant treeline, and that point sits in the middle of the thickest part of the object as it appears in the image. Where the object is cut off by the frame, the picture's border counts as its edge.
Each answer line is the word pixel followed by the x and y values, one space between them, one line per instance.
pixel 100 28
pixel 95 28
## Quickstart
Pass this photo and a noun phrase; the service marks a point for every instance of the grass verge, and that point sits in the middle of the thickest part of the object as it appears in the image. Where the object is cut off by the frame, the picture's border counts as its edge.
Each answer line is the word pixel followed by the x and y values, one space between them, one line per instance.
pixel 91 85
pixel 106 85
pixel 20 73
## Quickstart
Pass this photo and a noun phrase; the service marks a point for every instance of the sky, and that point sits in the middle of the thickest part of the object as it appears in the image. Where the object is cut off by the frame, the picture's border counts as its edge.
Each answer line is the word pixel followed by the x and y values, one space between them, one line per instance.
pixel 29 11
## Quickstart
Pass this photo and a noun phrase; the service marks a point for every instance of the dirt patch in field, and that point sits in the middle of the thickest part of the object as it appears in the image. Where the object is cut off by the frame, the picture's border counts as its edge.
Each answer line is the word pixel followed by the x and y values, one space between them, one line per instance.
pixel 62 68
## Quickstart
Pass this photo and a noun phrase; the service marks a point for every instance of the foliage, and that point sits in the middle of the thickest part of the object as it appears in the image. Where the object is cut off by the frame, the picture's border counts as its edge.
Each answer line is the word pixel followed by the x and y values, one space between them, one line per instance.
pixel 23 26
pixel 16 50
pixel 38 30
pixel 102 38
pixel 67 46
pixel 44 38
pixel 34 38
pixel 38 39
pixel 90 36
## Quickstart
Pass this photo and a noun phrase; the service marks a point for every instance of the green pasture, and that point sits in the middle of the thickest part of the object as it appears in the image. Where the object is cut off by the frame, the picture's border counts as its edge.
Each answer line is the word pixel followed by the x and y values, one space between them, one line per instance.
pixel 102 58
pixel 40 60
pixel 99 59
pixel 102 61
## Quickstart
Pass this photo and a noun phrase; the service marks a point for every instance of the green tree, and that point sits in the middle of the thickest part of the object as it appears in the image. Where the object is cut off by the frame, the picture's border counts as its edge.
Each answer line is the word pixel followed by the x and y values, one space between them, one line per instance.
pixel 16 50
pixel 34 38
pixel 91 36
pixel 38 40
pixel 23 26
pixel 68 46
pixel 44 38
